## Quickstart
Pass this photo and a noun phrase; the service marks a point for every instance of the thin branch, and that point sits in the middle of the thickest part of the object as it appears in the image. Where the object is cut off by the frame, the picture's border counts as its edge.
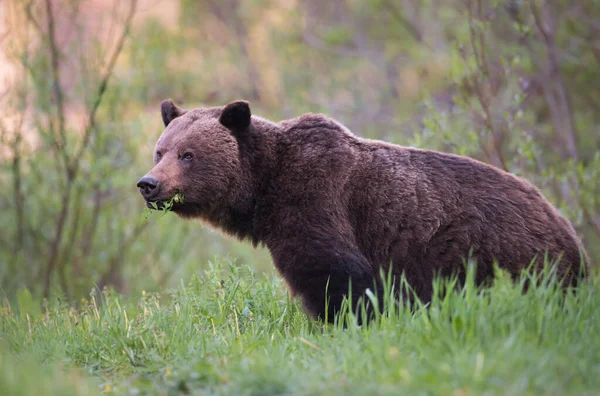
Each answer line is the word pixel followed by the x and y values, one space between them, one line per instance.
pixel 57 90
pixel 111 26
pixel 32 19
pixel 18 192
pixel 90 232
pixel 314 41
pixel 410 27
pixel 477 41
pixel 55 244
pixel 91 127
pixel 562 114
pixel 124 246
pixel 76 215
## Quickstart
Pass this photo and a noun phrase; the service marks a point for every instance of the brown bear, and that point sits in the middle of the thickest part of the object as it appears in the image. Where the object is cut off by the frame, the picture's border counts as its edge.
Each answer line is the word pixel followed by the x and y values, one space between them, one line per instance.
pixel 333 208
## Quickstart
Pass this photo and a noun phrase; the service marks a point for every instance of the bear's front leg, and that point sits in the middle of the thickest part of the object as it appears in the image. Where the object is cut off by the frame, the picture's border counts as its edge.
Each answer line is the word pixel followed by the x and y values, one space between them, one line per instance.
pixel 320 272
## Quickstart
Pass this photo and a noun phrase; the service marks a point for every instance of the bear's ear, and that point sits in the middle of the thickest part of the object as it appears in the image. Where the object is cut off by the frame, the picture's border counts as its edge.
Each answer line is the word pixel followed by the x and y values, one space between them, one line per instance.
pixel 236 116
pixel 169 111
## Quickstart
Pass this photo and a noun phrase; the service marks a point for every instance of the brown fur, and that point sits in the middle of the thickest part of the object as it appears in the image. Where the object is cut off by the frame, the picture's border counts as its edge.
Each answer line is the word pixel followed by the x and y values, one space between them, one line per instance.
pixel 332 207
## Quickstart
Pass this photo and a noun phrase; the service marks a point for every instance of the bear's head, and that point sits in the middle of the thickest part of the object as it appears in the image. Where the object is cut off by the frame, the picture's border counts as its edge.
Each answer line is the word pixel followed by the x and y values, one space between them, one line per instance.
pixel 198 157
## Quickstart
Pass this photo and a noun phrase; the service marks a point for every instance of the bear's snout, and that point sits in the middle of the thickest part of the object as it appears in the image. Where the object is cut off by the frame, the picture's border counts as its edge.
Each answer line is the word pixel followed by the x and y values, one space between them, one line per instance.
pixel 149 187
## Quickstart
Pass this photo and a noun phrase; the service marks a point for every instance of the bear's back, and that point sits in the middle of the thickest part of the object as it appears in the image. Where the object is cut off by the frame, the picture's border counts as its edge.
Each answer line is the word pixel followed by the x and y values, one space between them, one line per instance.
pixel 417 202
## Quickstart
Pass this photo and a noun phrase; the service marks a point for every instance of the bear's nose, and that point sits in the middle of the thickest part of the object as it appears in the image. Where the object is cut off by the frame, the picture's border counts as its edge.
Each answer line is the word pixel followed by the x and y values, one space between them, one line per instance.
pixel 148 186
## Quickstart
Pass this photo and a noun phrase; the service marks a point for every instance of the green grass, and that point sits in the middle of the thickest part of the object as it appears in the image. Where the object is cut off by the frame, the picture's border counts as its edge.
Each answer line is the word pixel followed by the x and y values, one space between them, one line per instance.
pixel 231 331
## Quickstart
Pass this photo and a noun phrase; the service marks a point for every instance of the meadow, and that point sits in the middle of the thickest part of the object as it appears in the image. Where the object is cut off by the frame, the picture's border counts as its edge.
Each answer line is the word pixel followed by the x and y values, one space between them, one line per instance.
pixel 95 297
pixel 232 331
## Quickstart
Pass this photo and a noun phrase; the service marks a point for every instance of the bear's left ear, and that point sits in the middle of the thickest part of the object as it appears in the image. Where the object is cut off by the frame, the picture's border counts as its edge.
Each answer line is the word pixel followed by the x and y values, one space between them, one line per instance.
pixel 236 116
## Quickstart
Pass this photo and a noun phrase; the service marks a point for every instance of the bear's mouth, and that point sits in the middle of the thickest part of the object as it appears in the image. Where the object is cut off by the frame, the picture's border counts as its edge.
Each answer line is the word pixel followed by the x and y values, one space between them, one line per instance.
pixel 169 204
pixel 157 205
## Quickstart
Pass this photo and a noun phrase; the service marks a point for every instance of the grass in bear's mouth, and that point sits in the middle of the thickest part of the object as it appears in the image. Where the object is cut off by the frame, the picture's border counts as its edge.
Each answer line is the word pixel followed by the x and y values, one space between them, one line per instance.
pixel 164 205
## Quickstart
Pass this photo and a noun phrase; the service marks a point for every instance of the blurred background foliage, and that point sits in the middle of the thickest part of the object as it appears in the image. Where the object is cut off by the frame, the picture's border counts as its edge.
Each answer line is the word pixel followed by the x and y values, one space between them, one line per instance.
pixel 514 83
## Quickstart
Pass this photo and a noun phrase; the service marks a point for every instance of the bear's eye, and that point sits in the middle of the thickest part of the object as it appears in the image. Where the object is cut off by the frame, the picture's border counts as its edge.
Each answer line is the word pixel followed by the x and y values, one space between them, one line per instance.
pixel 187 157
pixel 158 156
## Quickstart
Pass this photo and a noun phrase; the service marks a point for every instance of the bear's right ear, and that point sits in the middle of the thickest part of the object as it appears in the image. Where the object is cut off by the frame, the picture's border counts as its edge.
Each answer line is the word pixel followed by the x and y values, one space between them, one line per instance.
pixel 169 111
